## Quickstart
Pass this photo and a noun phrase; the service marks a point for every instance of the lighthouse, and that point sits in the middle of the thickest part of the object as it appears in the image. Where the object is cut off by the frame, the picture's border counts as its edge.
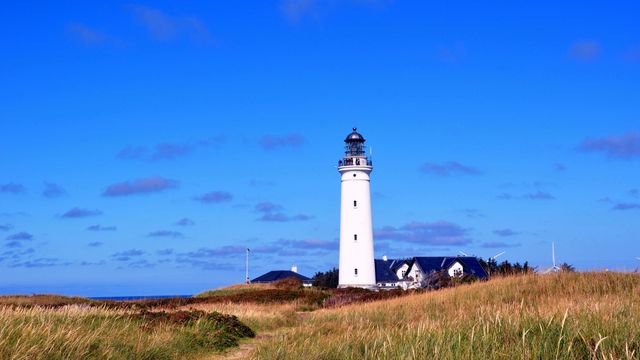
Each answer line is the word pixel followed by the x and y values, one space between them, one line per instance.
pixel 357 268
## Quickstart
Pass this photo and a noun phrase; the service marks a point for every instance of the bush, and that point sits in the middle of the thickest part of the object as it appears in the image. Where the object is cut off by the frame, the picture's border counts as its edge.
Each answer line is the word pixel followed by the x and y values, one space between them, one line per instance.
pixel 346 296
pixel 290 283
pixel 327 279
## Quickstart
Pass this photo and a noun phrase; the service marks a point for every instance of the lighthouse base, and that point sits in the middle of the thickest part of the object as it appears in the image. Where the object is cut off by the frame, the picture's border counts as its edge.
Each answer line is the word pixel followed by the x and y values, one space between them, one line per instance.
pixel 361 286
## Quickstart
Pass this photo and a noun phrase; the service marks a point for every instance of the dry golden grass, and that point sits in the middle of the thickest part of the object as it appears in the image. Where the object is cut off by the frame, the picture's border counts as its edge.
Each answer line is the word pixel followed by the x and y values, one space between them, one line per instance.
pixel 86 332
pixel 260 317
pixel 235 289
pixel 565 316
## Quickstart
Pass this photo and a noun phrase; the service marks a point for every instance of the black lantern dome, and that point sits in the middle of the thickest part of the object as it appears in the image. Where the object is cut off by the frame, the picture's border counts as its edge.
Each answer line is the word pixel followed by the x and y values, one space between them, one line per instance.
pixel 355 136
pixel 354 144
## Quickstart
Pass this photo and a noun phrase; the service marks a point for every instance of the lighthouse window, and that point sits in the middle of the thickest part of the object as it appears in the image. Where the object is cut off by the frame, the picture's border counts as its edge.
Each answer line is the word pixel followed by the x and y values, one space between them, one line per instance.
pixel 354 175
pixel 355 271
pixel 355 203
pixel 355 237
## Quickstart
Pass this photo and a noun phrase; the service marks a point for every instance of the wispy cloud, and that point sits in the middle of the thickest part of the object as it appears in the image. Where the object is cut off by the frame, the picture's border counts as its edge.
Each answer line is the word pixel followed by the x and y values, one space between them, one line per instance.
pixel 185 222
pixel 80 213
pixel 308 244
pixel 273 212
pixel 165 233
pixel 127 255
pixel 558 167
pixel 88 35
pixel 448 168
pixel 538 195
pixel 20 236
pixel 272 142
pixel 215 252
pixel 473 213
pixel 168 151
pixel 159 152
pixel 13 244
pixel 439 233
pixel 625 206
pixel 452 54
pixel 211 258
pixel 165 27
pixel 92 263
pixel 95 244
pixel 41 262
pixel 624 146
pixel 101 228
pixel 505 232
pixel 12 188
pixel 297 10
pixel 586 50
pixel 165 252
pixel 52 190
pixel 141 264
pixel 14 213
pixel 6 227
pixel 148 185
pixel 214 197
pixel 268 207
pixel 497 244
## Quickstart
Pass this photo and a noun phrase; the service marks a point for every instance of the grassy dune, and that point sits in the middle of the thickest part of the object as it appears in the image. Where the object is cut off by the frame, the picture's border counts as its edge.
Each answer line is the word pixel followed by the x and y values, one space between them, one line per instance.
pixel 234 289
pixel 565 316
pixel 85 332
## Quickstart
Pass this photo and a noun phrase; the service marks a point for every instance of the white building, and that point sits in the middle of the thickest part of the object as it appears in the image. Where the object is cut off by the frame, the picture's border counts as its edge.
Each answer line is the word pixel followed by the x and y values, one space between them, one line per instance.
pixel 410 273
pixel 357 268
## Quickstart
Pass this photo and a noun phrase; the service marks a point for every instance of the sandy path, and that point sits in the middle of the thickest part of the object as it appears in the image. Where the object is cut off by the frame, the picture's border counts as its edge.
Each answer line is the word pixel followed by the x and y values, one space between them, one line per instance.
pixel 246 348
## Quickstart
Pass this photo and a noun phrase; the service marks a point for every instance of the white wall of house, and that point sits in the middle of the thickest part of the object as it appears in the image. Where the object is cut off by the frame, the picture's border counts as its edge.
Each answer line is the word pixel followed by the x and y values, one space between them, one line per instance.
pixel 402 271
pixel 415 273
pixel 456 269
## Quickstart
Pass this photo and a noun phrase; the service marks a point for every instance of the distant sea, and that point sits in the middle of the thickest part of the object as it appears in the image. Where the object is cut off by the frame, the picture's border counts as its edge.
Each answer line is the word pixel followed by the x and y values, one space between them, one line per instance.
pixel 141 297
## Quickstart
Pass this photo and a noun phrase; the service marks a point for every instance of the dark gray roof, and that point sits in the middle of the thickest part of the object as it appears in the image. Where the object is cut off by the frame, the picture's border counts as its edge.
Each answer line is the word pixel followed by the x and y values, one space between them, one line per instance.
pixel 276 275
pixel 397 263
pixel 470 264
pixel 384 272
pixel 354 136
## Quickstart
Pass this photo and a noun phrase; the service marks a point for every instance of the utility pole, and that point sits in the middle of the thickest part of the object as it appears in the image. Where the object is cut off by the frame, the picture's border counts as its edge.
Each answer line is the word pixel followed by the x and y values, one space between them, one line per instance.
pixel 247 280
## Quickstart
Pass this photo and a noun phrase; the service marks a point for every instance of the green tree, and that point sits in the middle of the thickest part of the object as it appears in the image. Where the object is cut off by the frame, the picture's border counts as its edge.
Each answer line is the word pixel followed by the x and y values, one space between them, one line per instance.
pixel 327 279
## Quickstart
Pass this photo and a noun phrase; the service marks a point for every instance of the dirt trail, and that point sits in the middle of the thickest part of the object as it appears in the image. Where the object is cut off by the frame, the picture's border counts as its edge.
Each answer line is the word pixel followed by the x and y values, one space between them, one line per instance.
pixel 243 351
pixel 246 348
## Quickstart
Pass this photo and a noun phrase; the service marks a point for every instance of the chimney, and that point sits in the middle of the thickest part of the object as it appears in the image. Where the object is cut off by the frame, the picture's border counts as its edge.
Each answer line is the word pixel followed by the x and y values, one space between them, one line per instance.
pixel 384 258
pixel 294 269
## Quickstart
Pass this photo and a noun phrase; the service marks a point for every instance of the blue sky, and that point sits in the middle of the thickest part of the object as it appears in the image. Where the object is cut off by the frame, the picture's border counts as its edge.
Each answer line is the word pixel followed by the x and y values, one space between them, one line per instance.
pixel 145 145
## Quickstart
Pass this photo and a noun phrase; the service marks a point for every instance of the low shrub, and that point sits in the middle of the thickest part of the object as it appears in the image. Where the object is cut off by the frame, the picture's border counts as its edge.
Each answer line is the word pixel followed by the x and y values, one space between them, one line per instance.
pixel 346 296
pixel 290 283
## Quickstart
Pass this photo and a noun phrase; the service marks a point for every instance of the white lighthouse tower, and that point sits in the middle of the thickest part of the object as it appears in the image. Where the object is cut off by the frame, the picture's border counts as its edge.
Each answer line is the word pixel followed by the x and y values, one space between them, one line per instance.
pixel 357 268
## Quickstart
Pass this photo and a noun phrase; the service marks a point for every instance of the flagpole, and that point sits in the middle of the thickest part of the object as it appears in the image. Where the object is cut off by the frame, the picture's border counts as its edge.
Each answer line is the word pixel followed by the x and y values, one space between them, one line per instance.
pixel 247 269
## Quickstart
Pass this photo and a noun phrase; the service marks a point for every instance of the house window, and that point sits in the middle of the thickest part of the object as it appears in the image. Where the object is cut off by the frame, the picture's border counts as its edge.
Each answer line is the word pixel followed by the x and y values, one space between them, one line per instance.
pixel 355 237
pixel 355 271
pixel 355 204
pixel 404 273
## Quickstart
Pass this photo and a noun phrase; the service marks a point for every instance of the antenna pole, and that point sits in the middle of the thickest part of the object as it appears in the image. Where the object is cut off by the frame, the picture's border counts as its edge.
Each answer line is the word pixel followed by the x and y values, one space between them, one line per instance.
pixel 247 280
pixel 553 253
